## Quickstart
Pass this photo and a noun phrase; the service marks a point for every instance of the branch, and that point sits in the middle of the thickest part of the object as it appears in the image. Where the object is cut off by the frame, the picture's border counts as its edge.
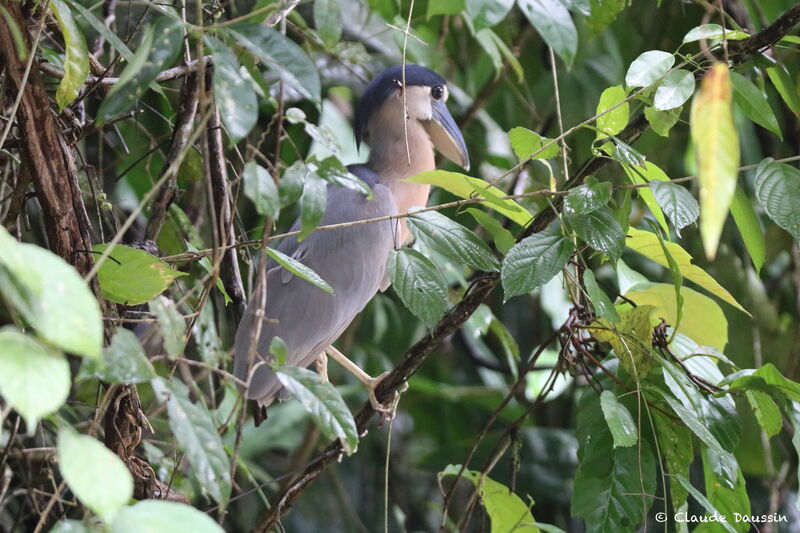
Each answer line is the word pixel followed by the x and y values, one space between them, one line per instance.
pixel 167 75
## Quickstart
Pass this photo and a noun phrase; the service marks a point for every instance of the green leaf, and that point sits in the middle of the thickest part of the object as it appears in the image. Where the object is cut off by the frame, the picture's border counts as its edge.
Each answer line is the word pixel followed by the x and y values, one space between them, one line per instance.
pixel 34 379
pixel 785 86
pixel 766 410
pixel 100 27
pixel 334 172
pixel 619 420
pixel 499 52
pixel 630 339
pixel 727 500
pixel 713 31
pixel 233 93
pixel 76 62
pixel 534 261
pixel 503 239
pixel 507 512
pixel 777 189
pixel 312 204
pixel 676 202
pixel 487 13
pixel 131 276
pixel 159 516
pixel 280 54
pixel 675 445
pixel 159 48
pixel 197 436
pixel 328 21
pixel 754 103
pixel 702 500
pixel 72 526
pixel 51 296
pixel 749 228
pixel 673 91
pixel 419 284
pixel 299 269
pixel 261 189
pixel 615 120
pixel 662 121
pixel 94 474
pixel 466 187
pixel 793 414
pixel 124 361
pixel 528 144
pixel 601 230
pixel 453 240
pixel 590 196
pixel 323 402
pixel 171 323
pixel 767 378
pixel 600 301
pixel 554 24
pixel 648 68
pixel 445 7
pixel 716 145
pixel 648 245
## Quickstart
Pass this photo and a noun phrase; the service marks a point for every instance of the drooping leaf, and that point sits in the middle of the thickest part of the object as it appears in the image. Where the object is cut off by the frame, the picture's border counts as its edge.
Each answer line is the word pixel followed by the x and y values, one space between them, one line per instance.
pixel 767 378
pixel 600 301
pixel 673 91
pixel 51 296
pixel 453 240
pixel 76 62
pixel 713 31
pixel 619 420
pixel 754 103
pixel 785 86
pixel 34 379
pixel 99 478
pixel 777 189
pixel 124 361
pixel 193 428
pixel 534 261
pixel 158 516
pixel 171 324
pixel 590 196
pixel 528 144
pixel 120 47
pixel 554 24
pixel 323 402
pixel 716 145
pixel 630 338
pixel 749 228
pixel 466 187
pixel 261 189
pixel 299 269
pixel 132 276
pixel 419 284
pixel 601 230
pixel 676 202
pixel 615 120
pixel 503 239
pixel 233 94
pixel 648 68
pixel 159 48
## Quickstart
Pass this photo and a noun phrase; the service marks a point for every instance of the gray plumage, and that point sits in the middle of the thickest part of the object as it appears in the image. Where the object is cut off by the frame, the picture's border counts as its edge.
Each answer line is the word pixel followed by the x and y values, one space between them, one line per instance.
pixel 352 260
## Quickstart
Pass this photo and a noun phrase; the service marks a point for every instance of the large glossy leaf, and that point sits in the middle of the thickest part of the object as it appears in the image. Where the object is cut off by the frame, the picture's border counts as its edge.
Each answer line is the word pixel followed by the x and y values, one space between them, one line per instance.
pixel 614 121
pixel 76 62
pixel 323 402
pixel 648 68
pixel 197 437
pixel 673 91
pixel 467 187
pixel 280 54
pixel 777 189
pixel 34 379
pixel 171 324
pixel 676 202
pixel 528 144
pixel 534 261
pixel 716 145
pixel 124 361
pixel 601 230
pixel 590 196
pixel 554 24
pixel 132 276
pixel 261 189
pixel 51 296
pixel 158 516
pixel 233 93
pixel 99 478
pixel 619 420
pixel 299 269
pixel 749 227
pixel 754 103
pixel 647 244
pixel 453 240
pixel 419 284
pixel 158 50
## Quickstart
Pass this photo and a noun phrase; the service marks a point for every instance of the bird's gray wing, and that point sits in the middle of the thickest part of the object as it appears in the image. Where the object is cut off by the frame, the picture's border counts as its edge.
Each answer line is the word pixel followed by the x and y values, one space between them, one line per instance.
pixel 352 260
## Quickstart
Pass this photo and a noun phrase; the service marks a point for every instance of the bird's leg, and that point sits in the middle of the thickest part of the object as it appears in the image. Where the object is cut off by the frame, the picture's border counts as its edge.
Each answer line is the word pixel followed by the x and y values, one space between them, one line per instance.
pixel 369 382
pixel 321 365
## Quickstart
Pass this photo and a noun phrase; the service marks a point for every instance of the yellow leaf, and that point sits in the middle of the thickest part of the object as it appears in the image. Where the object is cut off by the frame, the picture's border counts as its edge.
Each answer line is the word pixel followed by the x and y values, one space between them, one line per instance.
pixel 631 338
pixel 466 187
pixel 703 321
pixel 648 245
pixel 717 147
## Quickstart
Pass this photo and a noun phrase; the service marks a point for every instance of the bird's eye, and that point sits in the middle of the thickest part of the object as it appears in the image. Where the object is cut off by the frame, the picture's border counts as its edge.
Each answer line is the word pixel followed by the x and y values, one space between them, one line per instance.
pixel 437 91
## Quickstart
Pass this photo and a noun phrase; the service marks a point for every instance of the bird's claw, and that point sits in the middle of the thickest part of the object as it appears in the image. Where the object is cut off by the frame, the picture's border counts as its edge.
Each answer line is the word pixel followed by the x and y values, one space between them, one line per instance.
pixel 387 410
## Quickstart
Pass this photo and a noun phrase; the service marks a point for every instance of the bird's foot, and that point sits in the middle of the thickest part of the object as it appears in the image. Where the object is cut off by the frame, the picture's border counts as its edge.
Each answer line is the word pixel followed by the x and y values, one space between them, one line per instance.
pixel 321 366
pixel 386 410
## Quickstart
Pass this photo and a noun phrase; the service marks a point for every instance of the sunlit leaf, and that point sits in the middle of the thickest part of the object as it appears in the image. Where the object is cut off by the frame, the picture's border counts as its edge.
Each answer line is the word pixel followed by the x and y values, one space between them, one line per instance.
pixel 534 261
pixel 76 62
pixel 503 239
pixel 648 68
pixel 527 143
pixel 158 516
pixel 453 240
pixel 614 121
pixel 673 91
pixel 554 23
pixel 777 189
pixel 419 284
pixel 132 276
pixel 662 121
pixel 713 31
pixel 754 103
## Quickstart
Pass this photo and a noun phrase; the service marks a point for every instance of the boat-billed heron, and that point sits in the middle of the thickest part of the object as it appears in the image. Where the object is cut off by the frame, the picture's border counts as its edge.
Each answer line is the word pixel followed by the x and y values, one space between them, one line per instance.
pixel 352 259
